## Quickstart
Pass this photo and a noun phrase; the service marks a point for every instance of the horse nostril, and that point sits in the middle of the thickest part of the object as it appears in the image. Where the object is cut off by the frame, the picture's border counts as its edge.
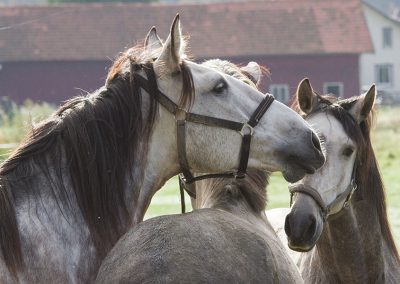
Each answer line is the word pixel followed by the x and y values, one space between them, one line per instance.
pixel 312 227
pixel 287 226
pixel 315 141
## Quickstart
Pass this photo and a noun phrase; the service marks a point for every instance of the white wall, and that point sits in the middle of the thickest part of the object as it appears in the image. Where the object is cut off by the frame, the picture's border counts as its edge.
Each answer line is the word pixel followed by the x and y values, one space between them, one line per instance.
pixel 376 22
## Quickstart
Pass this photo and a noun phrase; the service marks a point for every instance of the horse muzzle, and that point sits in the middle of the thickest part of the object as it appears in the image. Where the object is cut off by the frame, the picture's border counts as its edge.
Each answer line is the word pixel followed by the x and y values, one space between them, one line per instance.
pixel 303 225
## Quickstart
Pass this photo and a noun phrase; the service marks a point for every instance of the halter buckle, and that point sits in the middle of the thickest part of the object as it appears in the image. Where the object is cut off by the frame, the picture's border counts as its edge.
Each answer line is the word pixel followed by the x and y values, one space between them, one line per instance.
pixel 247 129
pixel 182 178
pixel 180 114
pixel 347 201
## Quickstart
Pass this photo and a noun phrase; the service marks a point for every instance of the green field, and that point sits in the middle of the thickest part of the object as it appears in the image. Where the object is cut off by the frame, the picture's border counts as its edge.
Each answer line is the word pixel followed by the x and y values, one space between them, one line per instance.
pixel 386 139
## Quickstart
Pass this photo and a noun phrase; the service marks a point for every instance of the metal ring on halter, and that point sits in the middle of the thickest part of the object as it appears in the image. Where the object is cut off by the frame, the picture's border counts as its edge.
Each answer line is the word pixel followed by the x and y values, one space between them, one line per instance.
pixel 248 127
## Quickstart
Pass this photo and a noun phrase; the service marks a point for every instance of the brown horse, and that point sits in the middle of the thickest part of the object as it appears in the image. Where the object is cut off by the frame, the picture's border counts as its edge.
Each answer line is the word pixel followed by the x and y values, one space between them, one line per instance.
pixel 341 208
pixel 227 240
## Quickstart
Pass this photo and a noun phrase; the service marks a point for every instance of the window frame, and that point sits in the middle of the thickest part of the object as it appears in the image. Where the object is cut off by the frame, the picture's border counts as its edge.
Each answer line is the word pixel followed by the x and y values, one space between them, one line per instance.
pixel 387 37
pixel 377 68
pixel 280 87
pixel 334 84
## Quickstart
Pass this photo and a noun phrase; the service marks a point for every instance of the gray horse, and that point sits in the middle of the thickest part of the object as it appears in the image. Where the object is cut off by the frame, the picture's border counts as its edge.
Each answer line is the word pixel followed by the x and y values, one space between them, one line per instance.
pixel 228 240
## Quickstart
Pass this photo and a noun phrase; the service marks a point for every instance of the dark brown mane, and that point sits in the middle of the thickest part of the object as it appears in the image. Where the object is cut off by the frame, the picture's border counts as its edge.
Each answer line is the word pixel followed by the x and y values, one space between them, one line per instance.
pixel 226 192
pixel 368 177
pixel 97 136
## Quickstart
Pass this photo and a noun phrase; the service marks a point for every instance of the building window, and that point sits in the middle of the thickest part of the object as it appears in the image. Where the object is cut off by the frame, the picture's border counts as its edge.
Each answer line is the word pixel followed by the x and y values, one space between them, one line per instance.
pixel 384 75
pixel 334 88
pixel 280 92
pixel 387 37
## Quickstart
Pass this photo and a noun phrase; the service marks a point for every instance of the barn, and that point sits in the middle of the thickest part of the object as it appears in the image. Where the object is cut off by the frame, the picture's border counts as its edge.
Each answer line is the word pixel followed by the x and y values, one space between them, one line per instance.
pixel 52 53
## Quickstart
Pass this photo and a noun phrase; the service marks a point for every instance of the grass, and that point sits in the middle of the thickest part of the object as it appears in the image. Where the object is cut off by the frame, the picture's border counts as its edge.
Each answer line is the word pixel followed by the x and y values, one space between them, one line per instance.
pixel 385 136
pixel 19 119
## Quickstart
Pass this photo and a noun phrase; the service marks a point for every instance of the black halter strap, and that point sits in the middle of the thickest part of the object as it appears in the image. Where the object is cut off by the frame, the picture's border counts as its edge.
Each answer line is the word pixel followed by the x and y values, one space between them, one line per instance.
pixel 327 209
pixel 181 116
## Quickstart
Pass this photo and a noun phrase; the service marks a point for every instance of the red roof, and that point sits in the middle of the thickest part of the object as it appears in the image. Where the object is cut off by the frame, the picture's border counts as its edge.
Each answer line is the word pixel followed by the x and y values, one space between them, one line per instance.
pixel 100 31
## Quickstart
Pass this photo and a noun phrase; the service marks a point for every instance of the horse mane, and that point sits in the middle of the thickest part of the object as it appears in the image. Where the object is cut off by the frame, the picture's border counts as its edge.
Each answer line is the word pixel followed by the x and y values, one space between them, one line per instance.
pixel 368 177
pixel 235 71
pixel 230 69
pixel 98 138
pixel 227 192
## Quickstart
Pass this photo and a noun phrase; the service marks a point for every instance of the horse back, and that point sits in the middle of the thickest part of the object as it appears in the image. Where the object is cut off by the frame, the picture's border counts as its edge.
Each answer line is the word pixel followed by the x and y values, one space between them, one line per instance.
pixel 205 246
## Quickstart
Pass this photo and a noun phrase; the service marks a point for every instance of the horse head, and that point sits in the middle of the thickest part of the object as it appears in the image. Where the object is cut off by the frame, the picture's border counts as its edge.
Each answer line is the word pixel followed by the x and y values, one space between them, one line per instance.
pixel 282 141
pixel 327 191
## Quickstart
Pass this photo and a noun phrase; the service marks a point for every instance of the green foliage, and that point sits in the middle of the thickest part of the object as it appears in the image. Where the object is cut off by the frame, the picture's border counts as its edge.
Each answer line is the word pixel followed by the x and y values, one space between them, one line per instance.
pixel 15 123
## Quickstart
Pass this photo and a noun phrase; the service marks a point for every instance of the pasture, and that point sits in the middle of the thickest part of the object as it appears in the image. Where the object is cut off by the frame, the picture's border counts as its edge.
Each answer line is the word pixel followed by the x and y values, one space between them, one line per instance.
pixel 386 137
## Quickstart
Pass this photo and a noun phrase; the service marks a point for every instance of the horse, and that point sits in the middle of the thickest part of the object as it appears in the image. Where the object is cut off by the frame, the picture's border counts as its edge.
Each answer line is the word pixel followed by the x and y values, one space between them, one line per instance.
pixel 85 175
pixel 226 239
pixel 338 221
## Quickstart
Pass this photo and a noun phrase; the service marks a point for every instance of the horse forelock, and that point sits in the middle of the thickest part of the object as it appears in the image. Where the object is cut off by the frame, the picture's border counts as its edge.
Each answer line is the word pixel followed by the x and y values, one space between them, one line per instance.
pixel 368 178
pixel 223 192
pixel 99 135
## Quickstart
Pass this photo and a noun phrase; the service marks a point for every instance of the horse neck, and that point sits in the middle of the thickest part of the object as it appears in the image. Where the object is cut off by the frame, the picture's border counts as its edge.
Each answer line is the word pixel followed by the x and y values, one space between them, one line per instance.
pixel 56 190
pixel 351 248
pixel 161 163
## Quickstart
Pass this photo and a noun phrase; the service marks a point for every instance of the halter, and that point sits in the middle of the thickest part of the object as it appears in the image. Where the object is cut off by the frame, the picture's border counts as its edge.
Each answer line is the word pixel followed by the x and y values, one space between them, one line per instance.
pixel 245 129
pixel 327 209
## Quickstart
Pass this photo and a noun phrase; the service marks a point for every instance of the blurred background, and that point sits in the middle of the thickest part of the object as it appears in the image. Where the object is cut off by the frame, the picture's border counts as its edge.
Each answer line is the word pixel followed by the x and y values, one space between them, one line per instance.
pixel 52 50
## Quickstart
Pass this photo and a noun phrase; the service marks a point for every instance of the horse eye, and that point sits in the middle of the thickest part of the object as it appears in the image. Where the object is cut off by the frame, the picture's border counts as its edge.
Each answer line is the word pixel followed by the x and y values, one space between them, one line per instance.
pixel 220 87
pixel 348 151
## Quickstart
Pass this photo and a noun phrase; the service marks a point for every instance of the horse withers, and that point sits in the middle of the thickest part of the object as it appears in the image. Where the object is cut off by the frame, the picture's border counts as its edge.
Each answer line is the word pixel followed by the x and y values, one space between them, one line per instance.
pixel 341 209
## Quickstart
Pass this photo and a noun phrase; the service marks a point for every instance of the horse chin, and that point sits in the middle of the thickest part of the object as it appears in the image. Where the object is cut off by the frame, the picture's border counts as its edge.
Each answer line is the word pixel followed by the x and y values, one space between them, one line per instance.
pixel 304 245
pixel 302 248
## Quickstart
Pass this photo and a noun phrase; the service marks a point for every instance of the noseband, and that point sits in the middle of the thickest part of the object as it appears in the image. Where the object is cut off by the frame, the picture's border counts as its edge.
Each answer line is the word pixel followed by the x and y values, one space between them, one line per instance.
pixel 327 209
pixel 245 129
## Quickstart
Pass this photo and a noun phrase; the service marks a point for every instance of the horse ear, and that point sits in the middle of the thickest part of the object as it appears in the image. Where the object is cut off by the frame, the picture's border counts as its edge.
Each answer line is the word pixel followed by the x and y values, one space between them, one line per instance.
pixel 152 41
pixel 364 104
pixel 306 97
pixel 172 53
pixel 253 70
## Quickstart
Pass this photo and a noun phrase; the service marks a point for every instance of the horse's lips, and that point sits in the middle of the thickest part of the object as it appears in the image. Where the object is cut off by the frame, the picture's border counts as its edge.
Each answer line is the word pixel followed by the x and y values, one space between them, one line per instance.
pixel 295 172
pixel 298 248
pixel 293 177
